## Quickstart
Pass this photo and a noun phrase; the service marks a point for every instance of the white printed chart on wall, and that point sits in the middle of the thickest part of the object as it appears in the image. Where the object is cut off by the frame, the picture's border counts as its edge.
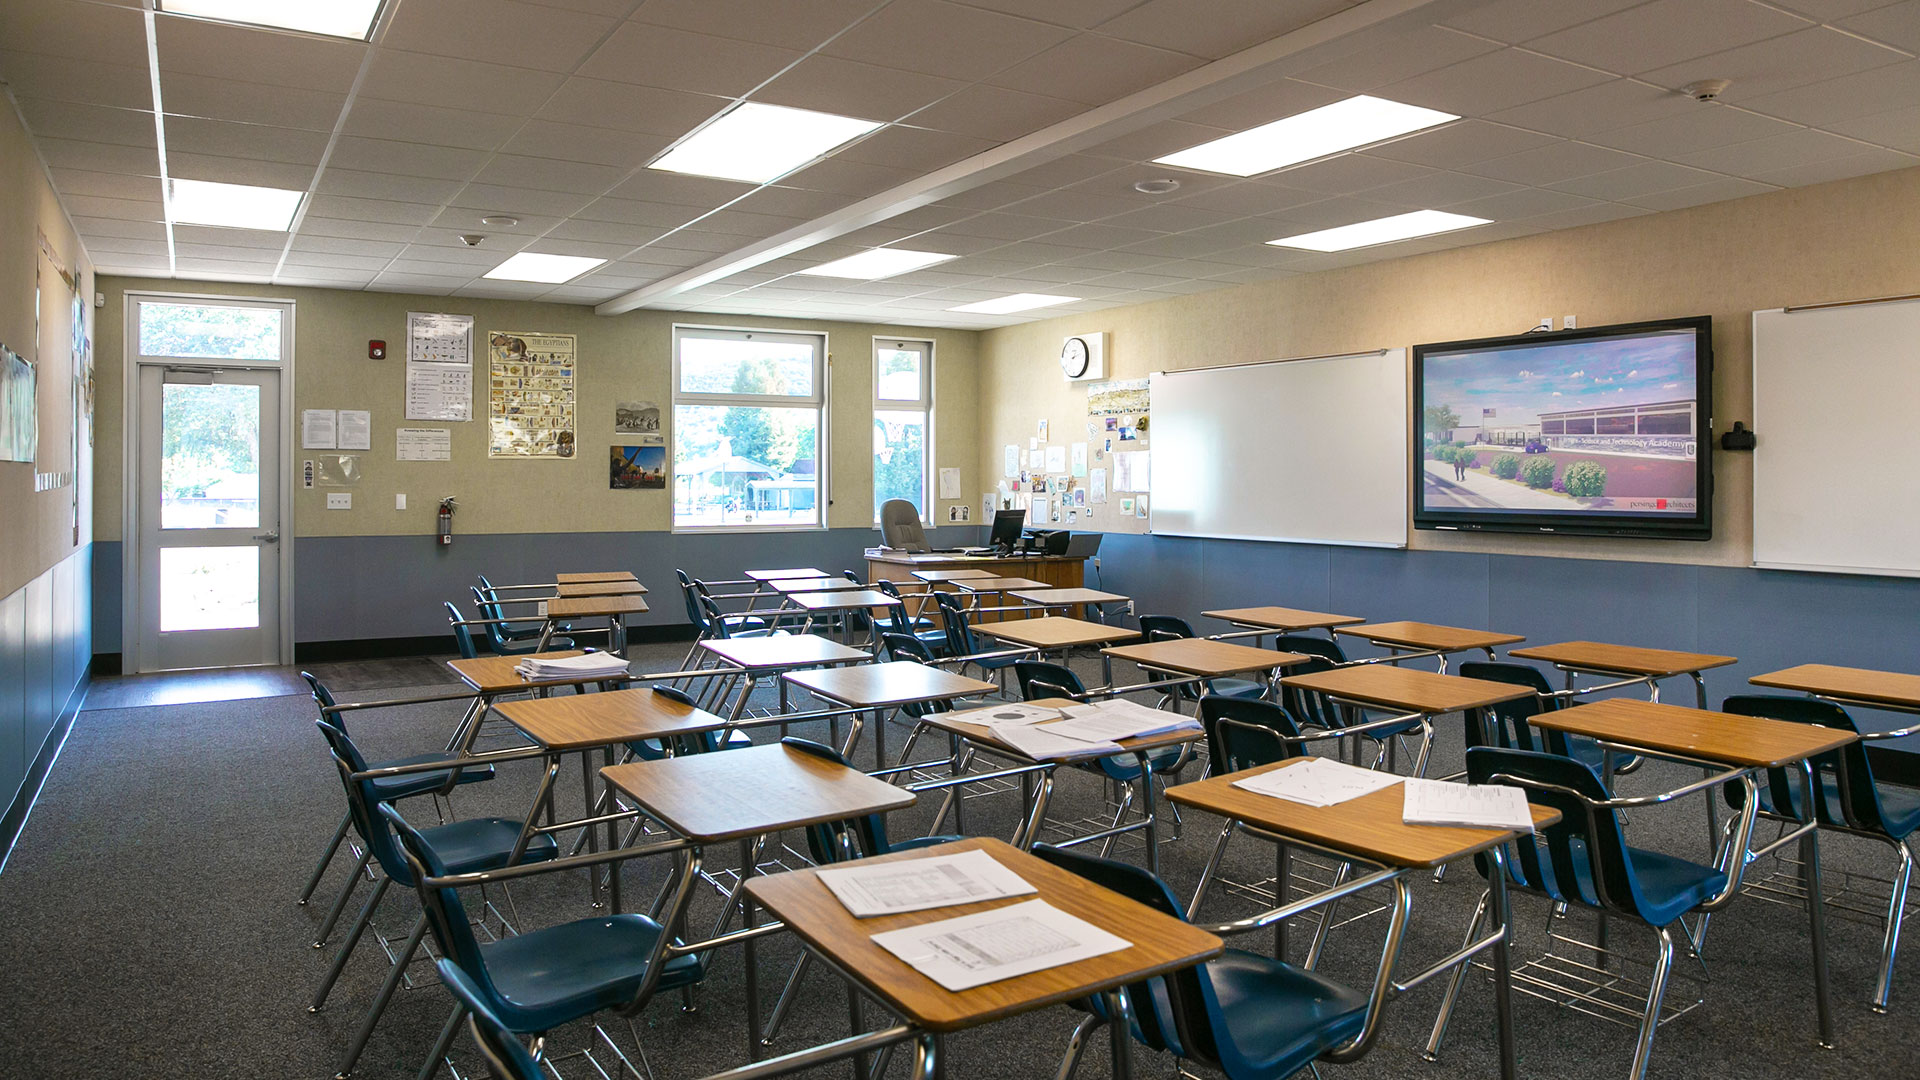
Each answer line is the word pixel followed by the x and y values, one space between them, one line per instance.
pixel 439 366
pixel 530 394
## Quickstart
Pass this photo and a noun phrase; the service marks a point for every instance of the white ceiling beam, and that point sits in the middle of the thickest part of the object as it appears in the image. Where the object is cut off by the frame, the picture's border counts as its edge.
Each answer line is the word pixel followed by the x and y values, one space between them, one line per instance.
pixel 1358 26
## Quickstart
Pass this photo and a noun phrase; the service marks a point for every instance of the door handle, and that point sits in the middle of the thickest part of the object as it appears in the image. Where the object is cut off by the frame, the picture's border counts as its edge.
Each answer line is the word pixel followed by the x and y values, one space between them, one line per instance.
pixel 267 537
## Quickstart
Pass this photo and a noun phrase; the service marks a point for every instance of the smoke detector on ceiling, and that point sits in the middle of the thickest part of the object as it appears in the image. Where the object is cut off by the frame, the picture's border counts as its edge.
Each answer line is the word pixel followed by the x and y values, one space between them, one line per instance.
pixel 1163 186
pixel 500 219
pixel 1706 89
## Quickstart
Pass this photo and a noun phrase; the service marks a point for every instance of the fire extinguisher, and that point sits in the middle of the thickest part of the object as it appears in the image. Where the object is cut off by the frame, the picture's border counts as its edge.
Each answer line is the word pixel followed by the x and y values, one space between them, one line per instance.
pixel 446 521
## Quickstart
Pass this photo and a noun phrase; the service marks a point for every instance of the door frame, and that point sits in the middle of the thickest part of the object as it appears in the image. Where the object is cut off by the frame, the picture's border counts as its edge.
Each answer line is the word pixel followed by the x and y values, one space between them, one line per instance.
pixel 131 589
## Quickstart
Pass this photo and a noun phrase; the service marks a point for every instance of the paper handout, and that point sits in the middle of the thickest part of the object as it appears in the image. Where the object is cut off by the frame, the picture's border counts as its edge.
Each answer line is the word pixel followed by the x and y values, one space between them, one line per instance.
pixel 974 950
pixel 1318 782
pixel 1111 721
pixel 1481 806
pixel 891 888
pixel 599 665
pixel 1014 714
pixel 1038 742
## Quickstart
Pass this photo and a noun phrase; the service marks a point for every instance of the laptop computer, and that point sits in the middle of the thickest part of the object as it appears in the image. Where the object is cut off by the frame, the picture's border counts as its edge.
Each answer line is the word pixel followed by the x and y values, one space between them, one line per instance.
pixel 1083 545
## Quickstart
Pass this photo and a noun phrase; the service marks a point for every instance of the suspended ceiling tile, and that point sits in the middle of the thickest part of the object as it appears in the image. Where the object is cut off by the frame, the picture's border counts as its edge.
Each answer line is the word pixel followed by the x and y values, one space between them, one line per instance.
pixel 1586 215
pixel 457 221
pixel 696 240
pixel 405 158
pixel 638 212
pixel 85 82
pixel 1706 126
pixel 994 112
pixel 1523 203
pixel 1896 24
pixel 1345 173
pixel 1514 21
pixel 1493 81
pixel 1158 140
pixel 100 157
pixel 548 174
pixel 131 209
pixel 1247 198
pixel 1619 103
pixel 1440 189
pixel 792 202
pixel 1458 145
pixel 647 110
pixel 135 265
pixel 396 213
pixel 1072 206
pixel 316 225
pixel 680 60
pixel 1715 191
pixel 850 88
pixel 227 170
pixel 372 185
pixel 1094 70
pixel 1667 32
pixel 117 228
pixel 450 83
pixel 702 192
pixel 1896 128
pixel 1824 104
pixel 370 264
pixel 334 245
pixel 945 39
pixel 196 135
pixel 769 22
pixel 87 123
pixel 914 148
pixel 1402 57
pixel 1274 101
pixel 844 176
pixel 1170 217
pixel 101 247
pixel 74 30
pixel 434 125
pixel 1635 181
pixel 745 224
pixel 1223 27
pixel 1782 63
pixel 1839 168
pixel 575 142
pixel 305 61
pixel 1099 235
pixel 106 184
pixel 605 231
pixel 250 103
pixel 527 35
pixel 1550 164
pixel 1786 150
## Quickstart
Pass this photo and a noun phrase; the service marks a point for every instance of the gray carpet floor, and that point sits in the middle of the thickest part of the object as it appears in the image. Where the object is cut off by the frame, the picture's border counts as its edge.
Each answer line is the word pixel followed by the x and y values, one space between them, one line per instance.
pixel 148 928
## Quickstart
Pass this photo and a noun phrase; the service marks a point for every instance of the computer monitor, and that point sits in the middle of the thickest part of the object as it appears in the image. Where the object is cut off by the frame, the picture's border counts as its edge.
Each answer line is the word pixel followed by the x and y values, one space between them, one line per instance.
pixel 1007 525
pixel 900 526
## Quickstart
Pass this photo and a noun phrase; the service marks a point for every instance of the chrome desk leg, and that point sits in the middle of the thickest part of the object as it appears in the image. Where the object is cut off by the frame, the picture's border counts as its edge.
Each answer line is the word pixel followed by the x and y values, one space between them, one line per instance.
pixel 1656 993
pixel 1896 912
pixel 1120 1033
pixel 1152 819
pixel 1502 961
pixel 748 853
pixel 1817 922
pixel 1458 976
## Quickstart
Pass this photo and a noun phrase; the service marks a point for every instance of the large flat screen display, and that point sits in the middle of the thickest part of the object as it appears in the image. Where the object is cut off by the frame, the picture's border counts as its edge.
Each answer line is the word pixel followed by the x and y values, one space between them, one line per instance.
pixel 1604 431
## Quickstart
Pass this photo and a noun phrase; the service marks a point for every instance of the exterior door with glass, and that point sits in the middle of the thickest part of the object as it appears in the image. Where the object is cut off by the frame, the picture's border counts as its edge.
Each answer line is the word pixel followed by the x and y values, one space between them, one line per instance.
pixel 209 518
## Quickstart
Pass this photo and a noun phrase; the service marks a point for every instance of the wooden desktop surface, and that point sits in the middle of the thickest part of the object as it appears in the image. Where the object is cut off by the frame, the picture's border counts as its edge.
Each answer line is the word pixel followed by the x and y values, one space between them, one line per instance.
pixel 815 584
pixel 587 607
pixel 1068 596
pixel 933 577
pixel 790 572
pixel 1198 656
pixel 784 650
pixel 843 599
pixel 1033 572
pixel 1748 741
pixel 899 682
pixel 583 721
pixel 1893 688
pixel 1621 659
pixel 1369 826
pixel 1158 943
pixel 998 584
pixel 1282 618
pixel 496 674
pixel 1419 635
pixel 732 794
pixel 594 575
pixel 1056 632
pixel 983 735
pixel 1407 688
pixel 600 588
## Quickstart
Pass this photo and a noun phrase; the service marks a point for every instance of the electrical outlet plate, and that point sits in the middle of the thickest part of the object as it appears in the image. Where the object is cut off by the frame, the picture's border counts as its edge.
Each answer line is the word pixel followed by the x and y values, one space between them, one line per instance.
pixel 399 502
pixel 1546 323
pixel 1567 323
pixel 339 500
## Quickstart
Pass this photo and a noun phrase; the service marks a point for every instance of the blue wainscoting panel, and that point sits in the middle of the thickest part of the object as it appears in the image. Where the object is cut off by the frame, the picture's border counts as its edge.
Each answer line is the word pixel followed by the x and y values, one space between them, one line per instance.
pixel 14 753
pixel 1655 605
pixel 1383 585
pixel 106 596
pixel 1162 574
pixel 41 703
pixel 1246 573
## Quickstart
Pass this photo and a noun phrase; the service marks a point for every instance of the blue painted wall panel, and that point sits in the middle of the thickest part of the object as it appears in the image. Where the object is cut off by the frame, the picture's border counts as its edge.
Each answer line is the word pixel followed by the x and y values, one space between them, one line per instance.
pixel 40 703
pixel 14 754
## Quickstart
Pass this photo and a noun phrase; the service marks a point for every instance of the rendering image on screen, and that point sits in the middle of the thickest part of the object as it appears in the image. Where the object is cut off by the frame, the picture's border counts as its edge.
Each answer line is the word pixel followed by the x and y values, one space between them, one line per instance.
pixel 1600 426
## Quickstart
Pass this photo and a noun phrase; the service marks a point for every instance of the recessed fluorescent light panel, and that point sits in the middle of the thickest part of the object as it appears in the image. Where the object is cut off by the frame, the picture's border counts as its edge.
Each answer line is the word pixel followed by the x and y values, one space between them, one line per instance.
pixel 757 143
pixel 334 18
pixel 1007 305
pixel 1384 230
pixel 234 206
pixel 1343 125
pixel 550 269
pixel 878 263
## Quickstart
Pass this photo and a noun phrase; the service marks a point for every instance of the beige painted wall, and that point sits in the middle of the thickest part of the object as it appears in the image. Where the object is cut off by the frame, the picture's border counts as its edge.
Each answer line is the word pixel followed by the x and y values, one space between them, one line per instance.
pixel 1838 241
pixel 622 358
pixel 37 528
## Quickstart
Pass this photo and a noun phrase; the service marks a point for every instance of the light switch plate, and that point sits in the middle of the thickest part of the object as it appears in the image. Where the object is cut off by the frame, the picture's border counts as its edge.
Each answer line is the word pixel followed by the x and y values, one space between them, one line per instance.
pixel 339 500
pixel 399 502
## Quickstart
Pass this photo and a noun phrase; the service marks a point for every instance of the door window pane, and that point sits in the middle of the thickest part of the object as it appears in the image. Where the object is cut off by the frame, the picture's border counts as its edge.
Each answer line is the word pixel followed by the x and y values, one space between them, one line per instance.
pixel 900 459
pixel 745 465
pixel 741 365
pixel 209 456
pixel 202 331
pixel 898 377
pixel 209 588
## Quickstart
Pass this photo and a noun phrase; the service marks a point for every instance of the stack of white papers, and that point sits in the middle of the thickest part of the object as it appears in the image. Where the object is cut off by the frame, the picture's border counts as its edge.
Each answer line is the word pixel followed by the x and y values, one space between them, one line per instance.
pixel 1112 721
pixel 1483 806
pixel 1038 742
pixel 595 665
pixel 1015 715
pixel 1318 782
pixel 974 950
pixel 891 888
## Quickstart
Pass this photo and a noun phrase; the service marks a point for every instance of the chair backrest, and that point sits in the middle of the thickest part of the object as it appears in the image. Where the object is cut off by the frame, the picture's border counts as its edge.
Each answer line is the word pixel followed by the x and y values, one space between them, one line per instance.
pixel 495 629
pixel 362 802
pixel 897 617
pixel 1852 769
pixel 687 594
pixel 485 585
pixel 1168 628
pixel 462 633
pixel 716 622
pixel 1243 733
pixel 848 838
pixel 1183 987
pixel 901 646
pixel 1508 724
pixel 446 914
pixel 323 697
pixel 1311 645
pixel 504 1054
pixel 853 576
pixel 1311 708
pixel 900 526
pixel 1043 679
pixel 959 632
pixel 1586 837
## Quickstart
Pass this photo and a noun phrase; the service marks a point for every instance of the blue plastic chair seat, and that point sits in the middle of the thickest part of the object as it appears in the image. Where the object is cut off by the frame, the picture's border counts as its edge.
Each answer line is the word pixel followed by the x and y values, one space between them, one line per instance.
pixel 1237 688
pixel 483 844
pixel 1270 1018
pixel 1899 810
pixel 558 974
pixel 1669 887
pixel 651 750
pixel 389 788
pixel 1126 767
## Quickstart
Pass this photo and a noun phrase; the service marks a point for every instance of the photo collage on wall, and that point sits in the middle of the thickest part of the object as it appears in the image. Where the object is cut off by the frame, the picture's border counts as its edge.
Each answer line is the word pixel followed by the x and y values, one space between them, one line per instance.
pixel 641 462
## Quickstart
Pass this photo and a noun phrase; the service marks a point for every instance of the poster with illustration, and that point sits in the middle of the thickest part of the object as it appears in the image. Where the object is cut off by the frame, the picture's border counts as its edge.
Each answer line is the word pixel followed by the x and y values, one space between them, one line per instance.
pixel 633 468
pixel 530 394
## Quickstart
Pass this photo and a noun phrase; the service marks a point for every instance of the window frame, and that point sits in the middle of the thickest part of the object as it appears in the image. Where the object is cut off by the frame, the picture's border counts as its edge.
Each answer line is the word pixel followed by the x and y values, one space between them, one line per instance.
pixel 924 404
pixel 821 401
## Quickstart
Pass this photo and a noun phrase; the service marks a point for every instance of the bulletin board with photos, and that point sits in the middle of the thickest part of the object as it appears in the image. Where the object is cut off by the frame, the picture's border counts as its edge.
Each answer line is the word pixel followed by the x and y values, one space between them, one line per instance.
pixel 1086 474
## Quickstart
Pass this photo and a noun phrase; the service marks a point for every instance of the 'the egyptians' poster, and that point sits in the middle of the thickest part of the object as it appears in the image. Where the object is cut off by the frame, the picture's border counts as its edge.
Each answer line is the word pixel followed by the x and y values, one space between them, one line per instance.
pixel 530 394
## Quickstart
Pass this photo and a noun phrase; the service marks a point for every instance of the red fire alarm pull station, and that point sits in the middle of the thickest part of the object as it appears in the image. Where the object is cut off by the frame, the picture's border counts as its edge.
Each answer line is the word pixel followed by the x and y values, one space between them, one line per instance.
pixel 376 350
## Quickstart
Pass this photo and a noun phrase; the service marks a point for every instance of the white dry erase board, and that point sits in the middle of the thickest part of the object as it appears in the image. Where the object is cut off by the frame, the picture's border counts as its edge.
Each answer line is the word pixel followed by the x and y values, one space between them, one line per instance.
pixel 1311 451
pixel 1834 467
